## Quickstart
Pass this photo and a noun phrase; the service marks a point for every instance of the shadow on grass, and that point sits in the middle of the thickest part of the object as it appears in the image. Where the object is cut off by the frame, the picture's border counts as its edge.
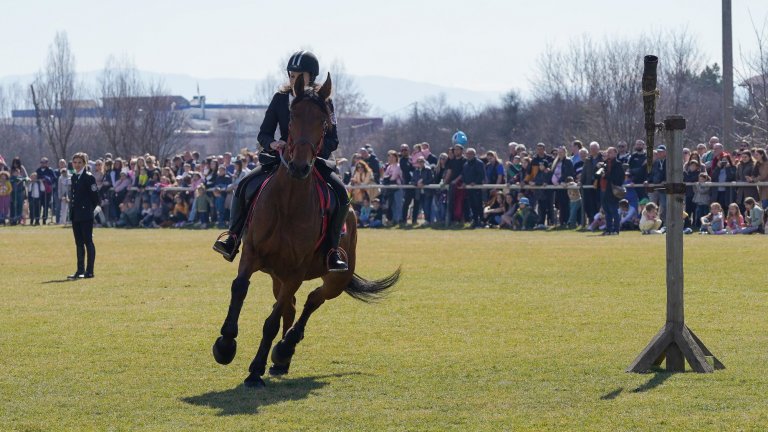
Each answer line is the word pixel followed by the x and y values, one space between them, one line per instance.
pixel 245 400
pixel 612 395
pixel 658 379
pixel 58 281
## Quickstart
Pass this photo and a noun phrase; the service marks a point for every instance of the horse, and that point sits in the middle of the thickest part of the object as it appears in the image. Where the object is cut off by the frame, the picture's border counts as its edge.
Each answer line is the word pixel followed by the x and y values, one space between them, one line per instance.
pixel 285 243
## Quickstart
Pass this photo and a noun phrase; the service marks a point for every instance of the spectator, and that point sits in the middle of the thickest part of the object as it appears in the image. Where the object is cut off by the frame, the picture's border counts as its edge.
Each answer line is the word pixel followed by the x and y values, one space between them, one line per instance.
pixel 407 169
pixel 514 170
pixel 628 216
pixel 6 190
pixel 623 153
pixel 372 162
pixel 576 155
pixel 473 174
pixel 64 190
pixel 543 197
pixel 440 196
pixel 130 213
pixel 649 219
pixel 16 164
pixel 202 206
pixel 422 176
pixel 690 175
pixel 659 175
pixel 734 221
pixel 760 175
pixel 754 217
pixel 375 219
pixel 611 178
pixel 701 198
pixel 18 194
pixel 47 178
pixel 507 217
pixel 713 222
pixel 362 176
pixel 525 218
pixel 220 186
pixel 493 209
pixel 428 156
pixel 562 169
pixel 455 167
pixel 723 172
pixel 364 218
pixel 180 211
pixel 393 175
pixel 35 193
pixel 591 199
pixel 574 203
pixel 745 173
pixel 494 170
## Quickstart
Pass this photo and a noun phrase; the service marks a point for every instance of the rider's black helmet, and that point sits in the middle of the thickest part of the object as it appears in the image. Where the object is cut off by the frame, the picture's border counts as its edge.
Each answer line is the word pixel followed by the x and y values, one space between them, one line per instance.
pixel 304 61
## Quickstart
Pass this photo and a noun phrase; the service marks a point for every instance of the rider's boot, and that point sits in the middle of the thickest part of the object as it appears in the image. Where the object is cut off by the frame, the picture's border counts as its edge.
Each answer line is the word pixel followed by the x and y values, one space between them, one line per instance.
pixel 336 262
pixel 230 245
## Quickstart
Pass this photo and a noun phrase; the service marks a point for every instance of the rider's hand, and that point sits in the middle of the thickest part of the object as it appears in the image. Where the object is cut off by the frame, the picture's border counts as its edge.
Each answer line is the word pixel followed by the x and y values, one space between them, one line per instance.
pixel 277 145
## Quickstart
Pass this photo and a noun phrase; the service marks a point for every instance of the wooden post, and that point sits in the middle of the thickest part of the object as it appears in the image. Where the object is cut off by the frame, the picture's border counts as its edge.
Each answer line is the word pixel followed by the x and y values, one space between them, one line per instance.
pixel 675 341
pixel 727 137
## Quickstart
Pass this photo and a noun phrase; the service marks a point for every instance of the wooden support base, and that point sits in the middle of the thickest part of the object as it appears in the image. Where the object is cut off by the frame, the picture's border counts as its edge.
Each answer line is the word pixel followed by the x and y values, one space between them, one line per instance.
pixel 677 343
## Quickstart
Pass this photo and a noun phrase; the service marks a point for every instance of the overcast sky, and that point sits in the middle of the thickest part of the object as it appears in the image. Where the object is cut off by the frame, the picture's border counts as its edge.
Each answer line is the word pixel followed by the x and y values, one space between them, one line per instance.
pixel 476 44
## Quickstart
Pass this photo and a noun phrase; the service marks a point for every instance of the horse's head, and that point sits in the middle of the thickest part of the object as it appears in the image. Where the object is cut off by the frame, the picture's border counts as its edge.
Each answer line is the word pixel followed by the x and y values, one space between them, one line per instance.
pixel 310 117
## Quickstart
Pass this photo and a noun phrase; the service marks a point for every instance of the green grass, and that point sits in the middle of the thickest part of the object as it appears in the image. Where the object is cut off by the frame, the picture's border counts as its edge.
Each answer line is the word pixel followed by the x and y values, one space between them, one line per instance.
pixel 487 330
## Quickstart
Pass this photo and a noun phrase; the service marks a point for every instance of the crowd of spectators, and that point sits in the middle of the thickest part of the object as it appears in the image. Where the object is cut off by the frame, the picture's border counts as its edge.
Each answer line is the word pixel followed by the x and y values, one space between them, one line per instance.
pixel 187 191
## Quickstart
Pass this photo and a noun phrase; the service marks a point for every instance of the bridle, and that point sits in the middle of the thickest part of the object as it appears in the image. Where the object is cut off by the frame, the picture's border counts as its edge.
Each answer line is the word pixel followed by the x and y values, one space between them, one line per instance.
pixel 319 145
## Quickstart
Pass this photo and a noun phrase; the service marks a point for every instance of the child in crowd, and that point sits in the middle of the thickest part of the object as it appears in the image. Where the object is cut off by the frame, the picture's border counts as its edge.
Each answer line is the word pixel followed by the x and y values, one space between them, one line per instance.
pixel 754 217
pixel 701 198
pixel 35 193
pixel 365 213
pixel 734 221
pixel 493 209
pixel 146 215
pixel 375 218
pixel 574 198
pixel 649 220
pixel 598 222
pixel 65 183
pixel 509 211
pixel 180 211
pixel 202 206
pixel 5 196
pixel 628 216
pixel 525 218
pixel 18 195
pixel 712 222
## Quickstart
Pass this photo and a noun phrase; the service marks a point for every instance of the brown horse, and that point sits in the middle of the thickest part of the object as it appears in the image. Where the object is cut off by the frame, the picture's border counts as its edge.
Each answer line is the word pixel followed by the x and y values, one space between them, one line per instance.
pixel 281 240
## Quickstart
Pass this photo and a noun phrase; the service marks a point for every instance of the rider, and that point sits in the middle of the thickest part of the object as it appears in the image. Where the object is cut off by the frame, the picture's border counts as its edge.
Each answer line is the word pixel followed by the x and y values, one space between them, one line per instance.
pixel 278 114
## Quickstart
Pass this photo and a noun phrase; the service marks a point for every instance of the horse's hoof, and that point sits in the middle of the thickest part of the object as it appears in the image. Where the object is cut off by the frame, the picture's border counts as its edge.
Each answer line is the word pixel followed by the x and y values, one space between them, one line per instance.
pixel 223 352
pixel 254 381
pixel 282 353
pixel 278 370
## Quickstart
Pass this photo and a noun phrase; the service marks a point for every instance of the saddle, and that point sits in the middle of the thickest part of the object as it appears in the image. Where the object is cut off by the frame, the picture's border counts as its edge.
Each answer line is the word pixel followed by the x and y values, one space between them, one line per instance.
pixel 328 202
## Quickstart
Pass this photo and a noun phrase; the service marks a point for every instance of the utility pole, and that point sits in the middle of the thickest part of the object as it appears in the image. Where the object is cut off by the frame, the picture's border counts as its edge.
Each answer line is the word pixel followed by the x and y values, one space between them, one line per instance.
pixel 727 138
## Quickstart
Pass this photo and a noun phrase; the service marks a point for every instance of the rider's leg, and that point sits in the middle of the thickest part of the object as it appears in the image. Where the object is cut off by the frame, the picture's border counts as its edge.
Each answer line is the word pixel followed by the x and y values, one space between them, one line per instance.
pixel 339 216
pixel 245 191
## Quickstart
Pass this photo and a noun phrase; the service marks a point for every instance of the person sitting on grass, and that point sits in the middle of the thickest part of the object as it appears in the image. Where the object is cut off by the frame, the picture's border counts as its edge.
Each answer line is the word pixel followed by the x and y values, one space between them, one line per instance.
pixel 713 222
pixel 598 222
pixel 701 198
pixel 525 217
pixel 649 220
pixel 628 216
pixel 375 218
pixel 734 221
pixel 180 211
pixel 509 211
pixel 365 214
pixel 754 217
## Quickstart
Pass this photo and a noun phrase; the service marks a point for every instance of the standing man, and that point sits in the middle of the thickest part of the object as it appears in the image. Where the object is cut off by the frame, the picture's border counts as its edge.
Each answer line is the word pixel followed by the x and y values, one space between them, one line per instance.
pixel 591 200
pixel 638 171
pixel 473 174
pixel 84 199
pixel 659 175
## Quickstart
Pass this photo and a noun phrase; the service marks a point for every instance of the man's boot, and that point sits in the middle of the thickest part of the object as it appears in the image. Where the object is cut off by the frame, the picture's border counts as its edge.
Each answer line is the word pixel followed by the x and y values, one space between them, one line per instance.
pixel 336 262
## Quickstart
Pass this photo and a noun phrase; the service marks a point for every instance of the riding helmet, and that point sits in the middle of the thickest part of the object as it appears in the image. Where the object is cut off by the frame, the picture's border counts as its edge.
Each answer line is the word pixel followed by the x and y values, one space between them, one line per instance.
pixel 304 61
pixel 459 138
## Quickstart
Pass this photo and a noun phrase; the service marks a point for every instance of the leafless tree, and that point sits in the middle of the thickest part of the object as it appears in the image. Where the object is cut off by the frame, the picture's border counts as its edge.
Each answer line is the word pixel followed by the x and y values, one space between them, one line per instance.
pixel 754 79
pixel 55 95
pixel 138 117
pixel 348 100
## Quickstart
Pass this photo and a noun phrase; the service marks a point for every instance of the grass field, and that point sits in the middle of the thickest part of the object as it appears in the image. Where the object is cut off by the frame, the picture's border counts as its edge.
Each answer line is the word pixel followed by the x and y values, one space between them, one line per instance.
pixel 487 330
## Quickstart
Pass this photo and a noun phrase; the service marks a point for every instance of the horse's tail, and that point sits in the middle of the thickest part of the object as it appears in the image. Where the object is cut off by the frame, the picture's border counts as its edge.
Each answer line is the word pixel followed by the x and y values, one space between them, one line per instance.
pixel 370 291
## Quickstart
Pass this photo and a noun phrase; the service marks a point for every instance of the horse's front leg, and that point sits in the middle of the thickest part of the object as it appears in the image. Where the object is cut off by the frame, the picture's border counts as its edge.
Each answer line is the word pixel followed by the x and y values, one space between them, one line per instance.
pixel 225 347
pixel 269 332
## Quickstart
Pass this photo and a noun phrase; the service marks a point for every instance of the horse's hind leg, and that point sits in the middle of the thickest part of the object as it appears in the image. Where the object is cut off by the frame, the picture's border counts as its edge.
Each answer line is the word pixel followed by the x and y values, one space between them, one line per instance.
pixel 269 332
pixel 333 285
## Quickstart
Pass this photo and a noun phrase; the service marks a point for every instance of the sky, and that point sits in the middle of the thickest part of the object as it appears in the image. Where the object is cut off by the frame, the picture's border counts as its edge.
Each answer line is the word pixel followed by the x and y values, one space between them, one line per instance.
pixel 478 44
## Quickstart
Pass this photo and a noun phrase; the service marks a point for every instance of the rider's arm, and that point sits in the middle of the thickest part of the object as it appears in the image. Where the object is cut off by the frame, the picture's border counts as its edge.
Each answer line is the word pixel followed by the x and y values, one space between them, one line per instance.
pixel 269 125
pixel 331 141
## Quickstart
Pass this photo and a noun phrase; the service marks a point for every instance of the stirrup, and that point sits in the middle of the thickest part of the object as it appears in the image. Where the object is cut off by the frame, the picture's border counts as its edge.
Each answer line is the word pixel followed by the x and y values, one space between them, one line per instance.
pixel 229 256
pixel 342 255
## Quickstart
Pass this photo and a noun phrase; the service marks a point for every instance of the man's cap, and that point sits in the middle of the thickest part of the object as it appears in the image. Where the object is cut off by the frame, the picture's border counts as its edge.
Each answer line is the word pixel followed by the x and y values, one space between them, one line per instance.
pixel 661 148
pixel 525 201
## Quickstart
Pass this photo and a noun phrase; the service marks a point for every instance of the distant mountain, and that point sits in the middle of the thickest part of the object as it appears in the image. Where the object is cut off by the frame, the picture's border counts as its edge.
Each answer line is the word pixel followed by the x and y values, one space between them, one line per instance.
pixel 387 96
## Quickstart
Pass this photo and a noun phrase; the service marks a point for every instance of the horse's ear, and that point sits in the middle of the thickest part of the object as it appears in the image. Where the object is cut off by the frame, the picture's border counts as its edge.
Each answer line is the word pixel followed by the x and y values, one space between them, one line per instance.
pixel 325 90
pixel 298 86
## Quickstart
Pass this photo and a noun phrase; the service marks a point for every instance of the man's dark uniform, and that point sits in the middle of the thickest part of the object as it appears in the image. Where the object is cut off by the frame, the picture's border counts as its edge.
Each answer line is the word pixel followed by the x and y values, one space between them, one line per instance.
pixel 84 198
